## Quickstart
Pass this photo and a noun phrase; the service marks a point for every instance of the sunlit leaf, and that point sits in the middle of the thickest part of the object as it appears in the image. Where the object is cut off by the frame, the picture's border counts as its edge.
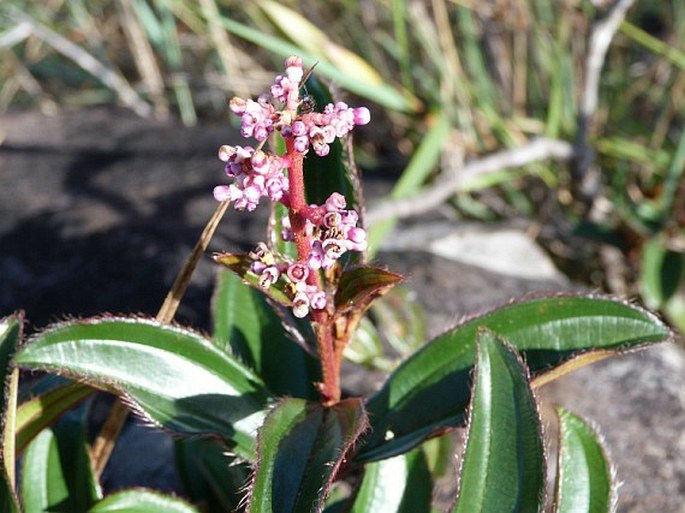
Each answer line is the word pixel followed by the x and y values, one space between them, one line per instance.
pixel 402 484
pixel 584 483
pixel 430 391
pixel 57 469
pixel 174 377
pixel 503 467
pixel 142 501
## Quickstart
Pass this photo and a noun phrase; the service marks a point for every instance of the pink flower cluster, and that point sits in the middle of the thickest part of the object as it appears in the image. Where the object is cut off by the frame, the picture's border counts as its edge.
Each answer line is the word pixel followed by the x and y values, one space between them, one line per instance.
pixel 334 231
pixel 255 174
pixel 305 296
pixel 261 118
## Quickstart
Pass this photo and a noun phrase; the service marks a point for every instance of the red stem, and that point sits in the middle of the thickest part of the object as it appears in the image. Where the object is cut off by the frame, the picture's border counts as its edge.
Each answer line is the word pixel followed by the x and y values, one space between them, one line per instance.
pixel 330 388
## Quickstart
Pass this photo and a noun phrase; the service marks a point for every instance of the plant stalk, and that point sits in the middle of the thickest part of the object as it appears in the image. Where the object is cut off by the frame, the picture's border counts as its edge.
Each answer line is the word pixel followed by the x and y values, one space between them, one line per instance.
pixel 330 370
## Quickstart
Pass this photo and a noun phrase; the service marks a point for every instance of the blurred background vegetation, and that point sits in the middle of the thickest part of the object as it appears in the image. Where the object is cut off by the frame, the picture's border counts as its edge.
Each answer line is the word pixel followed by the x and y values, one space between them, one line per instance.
pixel 450 82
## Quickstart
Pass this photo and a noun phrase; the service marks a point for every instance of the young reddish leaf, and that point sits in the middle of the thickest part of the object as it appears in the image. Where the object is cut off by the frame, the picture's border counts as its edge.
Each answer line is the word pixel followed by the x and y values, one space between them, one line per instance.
pixel 503 468
pixel 584 480
pixel 359 286
pixel 300 449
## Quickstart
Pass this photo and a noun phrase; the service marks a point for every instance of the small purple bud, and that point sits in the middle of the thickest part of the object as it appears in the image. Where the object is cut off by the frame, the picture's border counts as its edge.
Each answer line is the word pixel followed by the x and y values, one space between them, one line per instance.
pixel 268 277
pixel 299 128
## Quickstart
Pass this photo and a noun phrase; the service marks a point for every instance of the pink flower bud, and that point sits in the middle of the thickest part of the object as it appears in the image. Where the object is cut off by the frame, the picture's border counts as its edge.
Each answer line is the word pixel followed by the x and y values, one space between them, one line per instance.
pixel 361 115
pixel 237 105
pixel 335 202
pixel 318 300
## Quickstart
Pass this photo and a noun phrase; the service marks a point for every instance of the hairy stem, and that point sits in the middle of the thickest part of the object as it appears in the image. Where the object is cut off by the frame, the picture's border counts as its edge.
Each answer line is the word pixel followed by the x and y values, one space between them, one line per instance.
pixel 330 369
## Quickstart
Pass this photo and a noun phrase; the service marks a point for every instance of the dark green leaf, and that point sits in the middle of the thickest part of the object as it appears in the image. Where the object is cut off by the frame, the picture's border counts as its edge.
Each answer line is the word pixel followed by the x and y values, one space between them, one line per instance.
pixel 503 468
pixel 175 377
pixel 661 273
pixel 301 446
pixel 43 410
pixel 430 391
pixel 402 484
pixel 360 285
pixel 325 175
pixel 584 483
pixel 212 478
pixel 10 335
pixel 245 320
pixel 142 501
pixel 57 470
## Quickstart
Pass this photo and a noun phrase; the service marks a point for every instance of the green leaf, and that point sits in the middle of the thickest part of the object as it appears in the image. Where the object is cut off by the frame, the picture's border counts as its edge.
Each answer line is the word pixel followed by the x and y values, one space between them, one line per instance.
pixel 503 468
pixel 44 409
pixel 10 335
pixel 333 173
pixel 402 484
pixel 210 476
pixel 584 483
pixel 430 391
pixel 175 377
pixel 301 446
pixel 661 272
pixel 245 321
pixel 57 470
pixel 142 501
pixel 360 285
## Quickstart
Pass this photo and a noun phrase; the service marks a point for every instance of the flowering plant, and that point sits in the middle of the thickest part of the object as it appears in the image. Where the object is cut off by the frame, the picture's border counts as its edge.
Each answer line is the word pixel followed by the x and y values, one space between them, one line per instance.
pixel 269 428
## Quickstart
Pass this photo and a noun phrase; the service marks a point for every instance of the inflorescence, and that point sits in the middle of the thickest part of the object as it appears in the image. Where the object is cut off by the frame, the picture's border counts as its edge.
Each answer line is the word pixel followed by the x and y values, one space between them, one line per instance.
pixel 330 229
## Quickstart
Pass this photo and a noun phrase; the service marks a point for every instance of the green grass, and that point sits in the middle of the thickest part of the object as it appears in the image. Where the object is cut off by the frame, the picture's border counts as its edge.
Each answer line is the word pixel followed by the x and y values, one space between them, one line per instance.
pixel 497 75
